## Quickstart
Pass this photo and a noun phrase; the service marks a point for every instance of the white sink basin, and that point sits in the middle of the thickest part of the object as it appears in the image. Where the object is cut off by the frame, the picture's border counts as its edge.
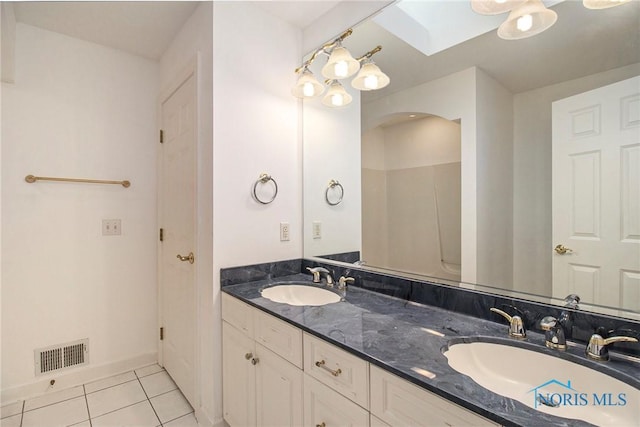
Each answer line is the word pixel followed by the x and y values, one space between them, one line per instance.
pixel 293 294
pixel 571 390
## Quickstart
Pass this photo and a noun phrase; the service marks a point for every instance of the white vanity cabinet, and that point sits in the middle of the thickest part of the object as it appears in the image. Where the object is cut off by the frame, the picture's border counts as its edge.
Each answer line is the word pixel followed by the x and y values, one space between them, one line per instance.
pixel 275 375
pixel 261 385
pixel 397 402
pixel 324 407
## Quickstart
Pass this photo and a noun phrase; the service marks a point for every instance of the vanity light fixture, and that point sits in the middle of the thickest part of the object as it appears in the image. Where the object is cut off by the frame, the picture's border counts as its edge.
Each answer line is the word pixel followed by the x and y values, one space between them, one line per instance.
pixel 336 96
pixel 527 20
pixel 603 4
pixel 340 65
pixel 307 85
pixel 370 76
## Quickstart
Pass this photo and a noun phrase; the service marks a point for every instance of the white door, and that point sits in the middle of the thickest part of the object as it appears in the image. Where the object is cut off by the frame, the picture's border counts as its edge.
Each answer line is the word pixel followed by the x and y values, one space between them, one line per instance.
pixel 596 195
pixel 177 220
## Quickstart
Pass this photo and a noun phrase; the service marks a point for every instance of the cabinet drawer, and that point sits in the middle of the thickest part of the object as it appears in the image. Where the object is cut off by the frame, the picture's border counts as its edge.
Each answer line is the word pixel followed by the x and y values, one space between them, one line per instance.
pixel 338 369
pixel 325 407
pixel 399 403
pixel 238 314
pixel 279 336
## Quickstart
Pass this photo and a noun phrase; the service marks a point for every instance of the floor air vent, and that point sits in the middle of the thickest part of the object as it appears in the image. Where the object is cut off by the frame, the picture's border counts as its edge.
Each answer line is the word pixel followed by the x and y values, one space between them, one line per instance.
pixel 62 356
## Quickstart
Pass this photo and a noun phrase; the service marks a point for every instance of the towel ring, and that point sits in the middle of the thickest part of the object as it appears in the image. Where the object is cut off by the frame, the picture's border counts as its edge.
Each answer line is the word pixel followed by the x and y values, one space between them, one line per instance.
pixel 333 184
pixel 263 179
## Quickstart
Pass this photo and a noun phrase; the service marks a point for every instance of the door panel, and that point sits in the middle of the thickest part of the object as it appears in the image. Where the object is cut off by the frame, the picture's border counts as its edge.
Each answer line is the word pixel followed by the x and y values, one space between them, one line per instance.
pixel 177 218
pixel 596 195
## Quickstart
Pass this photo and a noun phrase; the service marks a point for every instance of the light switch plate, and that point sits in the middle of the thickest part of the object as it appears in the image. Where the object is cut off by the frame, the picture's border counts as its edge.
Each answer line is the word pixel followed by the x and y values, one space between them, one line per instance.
pixel 111 227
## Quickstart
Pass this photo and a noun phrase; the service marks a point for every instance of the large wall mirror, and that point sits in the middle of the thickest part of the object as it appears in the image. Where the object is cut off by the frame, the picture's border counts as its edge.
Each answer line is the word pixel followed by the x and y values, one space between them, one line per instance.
pixel 451 171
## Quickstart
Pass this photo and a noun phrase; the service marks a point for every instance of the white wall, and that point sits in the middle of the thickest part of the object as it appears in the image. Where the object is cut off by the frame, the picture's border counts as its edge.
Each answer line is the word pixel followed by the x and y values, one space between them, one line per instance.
pixel 468 95
pixel 195 42
pixel 332 151
pixel 452 97
pixel 77 110
pixel 256 130
pixel 494 161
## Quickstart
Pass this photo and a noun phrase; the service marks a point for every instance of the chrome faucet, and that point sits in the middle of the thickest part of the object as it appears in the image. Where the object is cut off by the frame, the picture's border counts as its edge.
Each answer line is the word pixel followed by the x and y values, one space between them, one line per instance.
pixel 342 282
pixel 318 272
pixel 342 285
pixel 557 330
pixel 554 335
pixel 516 326
pixel 597 347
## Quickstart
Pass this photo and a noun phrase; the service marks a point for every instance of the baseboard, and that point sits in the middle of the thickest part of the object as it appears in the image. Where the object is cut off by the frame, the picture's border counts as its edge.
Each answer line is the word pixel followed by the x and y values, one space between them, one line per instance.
pixel 67 379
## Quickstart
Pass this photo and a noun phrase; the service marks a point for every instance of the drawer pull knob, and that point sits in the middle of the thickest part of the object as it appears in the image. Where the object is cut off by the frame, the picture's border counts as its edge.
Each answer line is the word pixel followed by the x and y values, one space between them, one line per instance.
pixel 248 356
pixel 322 364
pixel 255 361
pixel 321 425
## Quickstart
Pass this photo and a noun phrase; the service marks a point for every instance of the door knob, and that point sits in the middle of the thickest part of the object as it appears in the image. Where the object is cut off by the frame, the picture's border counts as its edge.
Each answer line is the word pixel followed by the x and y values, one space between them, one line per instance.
pixel 561 250
pixel 189 258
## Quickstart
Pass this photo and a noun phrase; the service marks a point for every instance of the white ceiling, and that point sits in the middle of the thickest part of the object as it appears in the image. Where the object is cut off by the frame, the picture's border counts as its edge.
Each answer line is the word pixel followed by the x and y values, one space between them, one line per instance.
pixel 143 28
pixel 582 42
pixel 300 13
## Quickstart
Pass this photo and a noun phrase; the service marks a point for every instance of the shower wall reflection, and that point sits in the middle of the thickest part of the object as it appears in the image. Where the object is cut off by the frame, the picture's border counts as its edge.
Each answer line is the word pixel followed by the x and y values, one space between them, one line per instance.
pixel 411 195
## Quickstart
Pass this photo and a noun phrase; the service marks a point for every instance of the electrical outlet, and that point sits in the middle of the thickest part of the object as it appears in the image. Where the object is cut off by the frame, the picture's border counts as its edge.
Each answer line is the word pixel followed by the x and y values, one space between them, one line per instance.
pixel 111 227
pixel 317 230
pixel 284 231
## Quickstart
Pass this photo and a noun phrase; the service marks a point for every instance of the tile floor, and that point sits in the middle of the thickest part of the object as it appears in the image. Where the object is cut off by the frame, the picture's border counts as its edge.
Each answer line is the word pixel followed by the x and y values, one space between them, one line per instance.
pixel 146 397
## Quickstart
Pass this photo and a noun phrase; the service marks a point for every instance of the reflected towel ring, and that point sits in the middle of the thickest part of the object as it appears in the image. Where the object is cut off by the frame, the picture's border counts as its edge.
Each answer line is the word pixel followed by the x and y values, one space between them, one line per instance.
pixel 263 179
pixel 333 184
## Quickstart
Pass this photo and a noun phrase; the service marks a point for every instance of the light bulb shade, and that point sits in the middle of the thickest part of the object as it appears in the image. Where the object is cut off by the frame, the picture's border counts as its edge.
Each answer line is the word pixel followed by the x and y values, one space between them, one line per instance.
pixel 336 96
pixel 603 4
pixel 527 20
pixel 307 86
pixel 370 78
pixel 494 7
pixel 340 64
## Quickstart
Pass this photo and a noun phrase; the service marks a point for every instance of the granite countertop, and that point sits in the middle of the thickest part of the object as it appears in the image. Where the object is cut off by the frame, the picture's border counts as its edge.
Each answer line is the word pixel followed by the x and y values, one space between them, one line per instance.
pixel 398 336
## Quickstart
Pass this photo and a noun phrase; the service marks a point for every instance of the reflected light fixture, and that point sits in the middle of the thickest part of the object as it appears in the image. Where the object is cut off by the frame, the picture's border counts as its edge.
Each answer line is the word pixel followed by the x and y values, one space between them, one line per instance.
pixel 307 85
pixel 340 65
pixel 336 96
pixel 370 76
pixel 527 20
pixel 494 7
pixel 603 4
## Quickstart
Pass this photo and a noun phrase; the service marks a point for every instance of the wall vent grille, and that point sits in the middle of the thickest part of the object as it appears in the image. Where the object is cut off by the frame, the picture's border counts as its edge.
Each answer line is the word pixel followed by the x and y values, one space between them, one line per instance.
pixel 62 356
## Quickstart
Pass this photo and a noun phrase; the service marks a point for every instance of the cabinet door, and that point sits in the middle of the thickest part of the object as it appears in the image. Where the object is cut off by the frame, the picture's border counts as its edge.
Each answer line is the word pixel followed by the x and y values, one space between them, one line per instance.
pixel 399 403
pixel 238 377
pixel 324 407
pixel 278 390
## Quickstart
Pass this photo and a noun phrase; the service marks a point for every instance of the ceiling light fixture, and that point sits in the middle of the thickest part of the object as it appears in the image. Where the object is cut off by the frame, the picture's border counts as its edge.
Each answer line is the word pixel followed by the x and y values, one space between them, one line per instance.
pixel 603 4
pixel 340 65
pixel 527 20
pixel 494 7
pixel 529 17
